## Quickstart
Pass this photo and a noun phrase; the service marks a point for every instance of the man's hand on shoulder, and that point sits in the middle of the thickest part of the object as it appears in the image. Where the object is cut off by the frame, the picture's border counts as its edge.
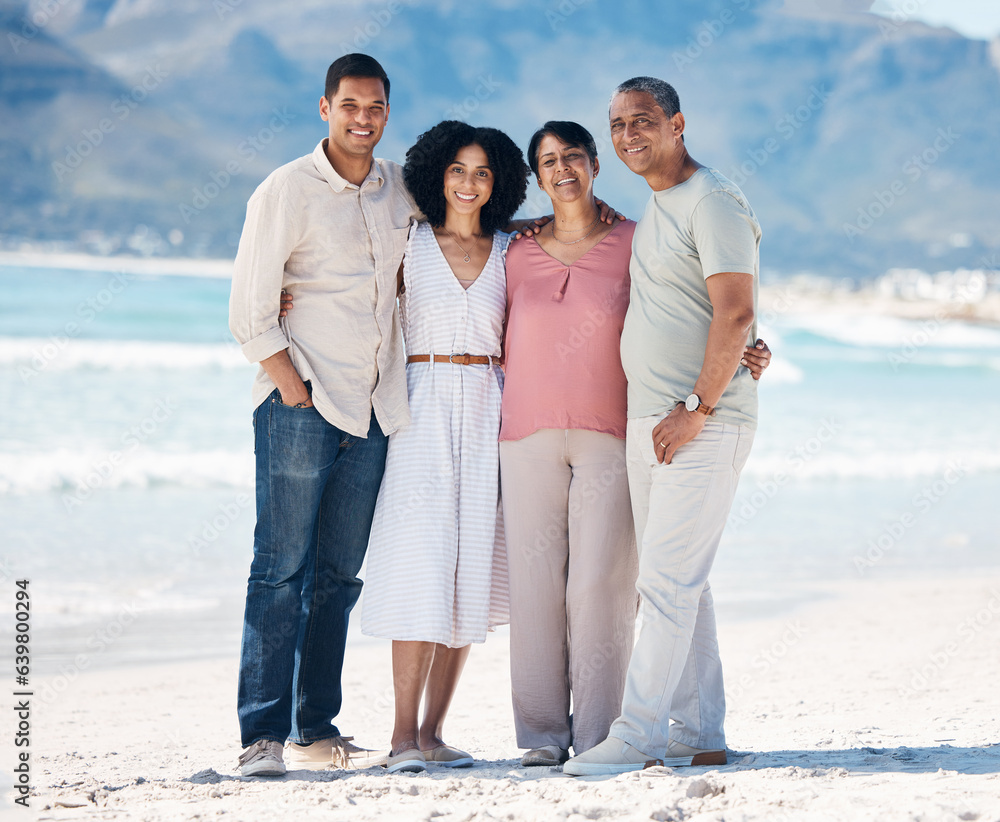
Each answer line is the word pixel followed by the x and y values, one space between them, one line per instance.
pixel 527 228
pixel 607 213
pixel 675 429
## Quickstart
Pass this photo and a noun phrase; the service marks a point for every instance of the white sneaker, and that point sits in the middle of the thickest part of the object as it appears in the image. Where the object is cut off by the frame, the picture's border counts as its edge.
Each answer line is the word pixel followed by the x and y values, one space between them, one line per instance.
pixel 679 755
pixel 262 758
pixel 336 752
pixel 612 756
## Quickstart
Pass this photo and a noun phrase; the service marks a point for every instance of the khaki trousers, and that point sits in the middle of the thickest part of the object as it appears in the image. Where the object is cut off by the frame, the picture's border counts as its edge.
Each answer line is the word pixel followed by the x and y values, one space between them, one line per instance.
pixel 680 512
pixel 572 563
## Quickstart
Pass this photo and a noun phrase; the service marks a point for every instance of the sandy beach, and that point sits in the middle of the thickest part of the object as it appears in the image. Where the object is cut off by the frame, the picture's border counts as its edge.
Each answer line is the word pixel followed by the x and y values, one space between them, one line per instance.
pixel 876 701
pixel 855 692
pixel 857 580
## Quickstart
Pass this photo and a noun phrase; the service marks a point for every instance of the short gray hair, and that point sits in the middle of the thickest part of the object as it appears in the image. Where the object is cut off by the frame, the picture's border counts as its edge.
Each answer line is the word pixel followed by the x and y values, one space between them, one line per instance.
pixel 662 92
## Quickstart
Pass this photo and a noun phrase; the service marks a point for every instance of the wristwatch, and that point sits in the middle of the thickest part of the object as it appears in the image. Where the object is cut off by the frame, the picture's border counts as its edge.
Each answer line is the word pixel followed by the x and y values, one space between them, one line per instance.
pixel 693 403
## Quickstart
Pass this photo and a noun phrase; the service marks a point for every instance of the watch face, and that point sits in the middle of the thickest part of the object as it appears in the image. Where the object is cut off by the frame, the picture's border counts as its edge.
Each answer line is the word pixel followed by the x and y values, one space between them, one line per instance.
pixel 692 402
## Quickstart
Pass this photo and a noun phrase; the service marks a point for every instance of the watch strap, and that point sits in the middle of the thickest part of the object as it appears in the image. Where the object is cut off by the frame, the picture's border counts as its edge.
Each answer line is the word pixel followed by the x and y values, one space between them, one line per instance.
pixel 701 408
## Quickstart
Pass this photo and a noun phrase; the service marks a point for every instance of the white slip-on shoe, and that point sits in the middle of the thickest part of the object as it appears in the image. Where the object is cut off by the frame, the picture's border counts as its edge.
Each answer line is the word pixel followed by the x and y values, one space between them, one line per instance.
pixel 612 756
pixel 679 755
pixel 262 758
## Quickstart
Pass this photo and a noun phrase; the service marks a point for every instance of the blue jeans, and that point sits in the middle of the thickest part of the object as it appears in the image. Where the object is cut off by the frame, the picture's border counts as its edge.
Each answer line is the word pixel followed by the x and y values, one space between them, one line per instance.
pixel 316 489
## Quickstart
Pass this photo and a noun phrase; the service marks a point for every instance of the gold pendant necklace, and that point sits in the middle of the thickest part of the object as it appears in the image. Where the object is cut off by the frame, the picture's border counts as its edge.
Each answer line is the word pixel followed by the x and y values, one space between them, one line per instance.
pixel 467 258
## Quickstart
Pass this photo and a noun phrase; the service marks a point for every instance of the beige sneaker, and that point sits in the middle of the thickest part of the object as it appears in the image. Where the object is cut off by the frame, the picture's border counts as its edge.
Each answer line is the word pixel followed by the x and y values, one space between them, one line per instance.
pixel 263 758
pixel 336 752
pixel 612 756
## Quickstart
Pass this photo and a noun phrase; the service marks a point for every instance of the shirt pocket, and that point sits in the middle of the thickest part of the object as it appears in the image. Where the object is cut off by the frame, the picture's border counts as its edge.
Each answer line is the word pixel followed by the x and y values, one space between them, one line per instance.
pixel 393 244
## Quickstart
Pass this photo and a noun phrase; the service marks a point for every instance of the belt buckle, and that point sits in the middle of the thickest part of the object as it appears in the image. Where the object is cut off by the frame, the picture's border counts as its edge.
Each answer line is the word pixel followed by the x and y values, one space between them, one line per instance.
pixel 463 359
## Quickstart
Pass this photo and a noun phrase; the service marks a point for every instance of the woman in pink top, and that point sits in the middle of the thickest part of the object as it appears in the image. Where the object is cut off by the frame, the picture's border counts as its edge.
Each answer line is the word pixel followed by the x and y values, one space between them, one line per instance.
pixel 567 514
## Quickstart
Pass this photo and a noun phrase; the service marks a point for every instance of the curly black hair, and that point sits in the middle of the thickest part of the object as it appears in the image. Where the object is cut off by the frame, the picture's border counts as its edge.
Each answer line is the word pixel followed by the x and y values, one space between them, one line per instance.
pixel 428 159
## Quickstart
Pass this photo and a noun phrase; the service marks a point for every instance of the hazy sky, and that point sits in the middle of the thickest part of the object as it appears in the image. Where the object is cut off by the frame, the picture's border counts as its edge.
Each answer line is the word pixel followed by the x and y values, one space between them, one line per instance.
pixel 973 18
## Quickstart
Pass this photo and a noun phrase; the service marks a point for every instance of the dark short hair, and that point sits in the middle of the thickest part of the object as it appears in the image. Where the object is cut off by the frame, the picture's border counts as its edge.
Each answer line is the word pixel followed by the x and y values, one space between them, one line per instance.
pixel 572 134
pixel 662 92
pixel 428 159
pixel 354 65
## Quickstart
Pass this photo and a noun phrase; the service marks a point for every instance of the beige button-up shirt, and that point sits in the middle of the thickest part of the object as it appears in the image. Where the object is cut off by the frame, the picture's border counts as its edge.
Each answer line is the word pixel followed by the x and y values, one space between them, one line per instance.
pixel 336 246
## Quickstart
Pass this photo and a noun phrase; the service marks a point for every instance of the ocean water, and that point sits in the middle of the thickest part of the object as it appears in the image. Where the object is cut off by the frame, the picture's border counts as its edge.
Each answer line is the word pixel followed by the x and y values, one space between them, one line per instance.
pixel 126 467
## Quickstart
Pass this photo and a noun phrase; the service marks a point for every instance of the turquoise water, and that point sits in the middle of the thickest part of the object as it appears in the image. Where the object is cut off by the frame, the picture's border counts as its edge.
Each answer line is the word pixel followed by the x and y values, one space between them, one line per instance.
pixel 126 468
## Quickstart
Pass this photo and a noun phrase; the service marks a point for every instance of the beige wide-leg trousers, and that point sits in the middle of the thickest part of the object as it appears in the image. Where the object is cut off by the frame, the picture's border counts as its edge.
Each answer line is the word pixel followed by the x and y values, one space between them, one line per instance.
pixel 572 563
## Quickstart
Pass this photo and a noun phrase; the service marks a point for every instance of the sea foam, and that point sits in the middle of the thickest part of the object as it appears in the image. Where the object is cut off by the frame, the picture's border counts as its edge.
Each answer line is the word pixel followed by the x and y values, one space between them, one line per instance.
pixel 893 332
pixel 78 474
pixel 38 354
pixel 871 464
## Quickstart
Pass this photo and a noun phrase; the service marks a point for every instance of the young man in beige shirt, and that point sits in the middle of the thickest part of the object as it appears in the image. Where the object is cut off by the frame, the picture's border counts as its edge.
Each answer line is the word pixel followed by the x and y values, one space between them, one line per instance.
pixel 331 387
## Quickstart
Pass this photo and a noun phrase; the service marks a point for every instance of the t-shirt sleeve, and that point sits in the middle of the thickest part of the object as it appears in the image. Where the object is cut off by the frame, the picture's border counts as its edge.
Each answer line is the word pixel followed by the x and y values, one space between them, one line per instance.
pixel 725 234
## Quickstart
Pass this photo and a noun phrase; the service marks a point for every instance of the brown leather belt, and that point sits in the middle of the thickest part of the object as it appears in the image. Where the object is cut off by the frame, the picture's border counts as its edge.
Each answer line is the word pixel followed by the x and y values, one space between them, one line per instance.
pixel 456 359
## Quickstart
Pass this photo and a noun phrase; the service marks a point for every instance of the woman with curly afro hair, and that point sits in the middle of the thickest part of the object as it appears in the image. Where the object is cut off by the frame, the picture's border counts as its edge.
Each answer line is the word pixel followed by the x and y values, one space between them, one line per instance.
pixel 434 150
pixel 437 573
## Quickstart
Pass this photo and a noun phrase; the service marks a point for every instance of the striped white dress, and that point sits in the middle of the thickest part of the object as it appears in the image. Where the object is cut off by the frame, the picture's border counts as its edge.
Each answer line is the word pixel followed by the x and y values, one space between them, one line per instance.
pixel 437 563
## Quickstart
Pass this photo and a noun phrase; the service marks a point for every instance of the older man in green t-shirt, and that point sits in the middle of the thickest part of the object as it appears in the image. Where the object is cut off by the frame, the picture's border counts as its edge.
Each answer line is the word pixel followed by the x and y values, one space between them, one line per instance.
pixel 692 411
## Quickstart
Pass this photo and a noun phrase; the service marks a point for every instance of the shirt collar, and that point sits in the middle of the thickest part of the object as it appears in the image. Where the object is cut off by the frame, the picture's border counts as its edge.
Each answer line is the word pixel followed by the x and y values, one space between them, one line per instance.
pixel 338 183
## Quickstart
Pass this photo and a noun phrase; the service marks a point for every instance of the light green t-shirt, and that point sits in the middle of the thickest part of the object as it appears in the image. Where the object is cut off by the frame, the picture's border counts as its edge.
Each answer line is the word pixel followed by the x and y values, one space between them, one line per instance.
pixel 689 232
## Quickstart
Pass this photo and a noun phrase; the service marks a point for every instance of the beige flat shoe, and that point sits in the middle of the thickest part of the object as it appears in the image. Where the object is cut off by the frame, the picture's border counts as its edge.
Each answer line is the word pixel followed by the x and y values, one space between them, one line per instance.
pixel 546 755
pixel 410 760
pixel 448 756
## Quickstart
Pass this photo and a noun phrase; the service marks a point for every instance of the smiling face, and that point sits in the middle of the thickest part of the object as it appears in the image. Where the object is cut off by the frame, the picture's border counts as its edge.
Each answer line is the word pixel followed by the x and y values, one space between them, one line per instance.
pixel 357 115
pixel 468 180
pixel 565 172
pixel 645 139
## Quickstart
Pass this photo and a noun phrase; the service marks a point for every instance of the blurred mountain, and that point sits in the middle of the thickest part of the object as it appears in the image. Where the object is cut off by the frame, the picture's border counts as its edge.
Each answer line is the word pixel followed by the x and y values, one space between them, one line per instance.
pixel 142 126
